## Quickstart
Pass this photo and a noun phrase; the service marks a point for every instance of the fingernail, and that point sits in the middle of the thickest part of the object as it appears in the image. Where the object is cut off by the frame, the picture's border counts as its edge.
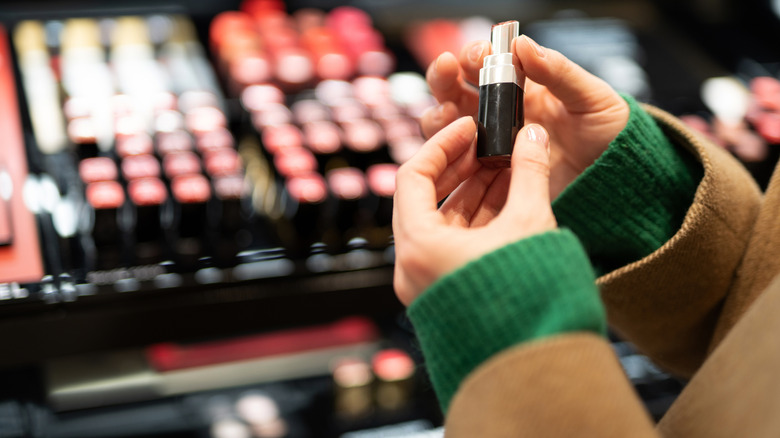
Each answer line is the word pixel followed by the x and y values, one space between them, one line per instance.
pixel 438 60
pixel 537 48
pixel 476 52
pixel 537 134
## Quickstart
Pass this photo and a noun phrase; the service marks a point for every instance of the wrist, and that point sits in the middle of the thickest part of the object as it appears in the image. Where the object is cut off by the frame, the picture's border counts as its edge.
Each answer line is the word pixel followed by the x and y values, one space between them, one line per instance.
pixel 634 197
pixel 536 287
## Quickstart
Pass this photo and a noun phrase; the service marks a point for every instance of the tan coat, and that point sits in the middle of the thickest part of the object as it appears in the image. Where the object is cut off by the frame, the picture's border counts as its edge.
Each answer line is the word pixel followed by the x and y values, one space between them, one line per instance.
pixel 706 305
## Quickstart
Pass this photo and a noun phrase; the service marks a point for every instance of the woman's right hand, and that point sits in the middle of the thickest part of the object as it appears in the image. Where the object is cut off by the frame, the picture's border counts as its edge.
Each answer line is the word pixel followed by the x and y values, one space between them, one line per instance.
pixel 581 112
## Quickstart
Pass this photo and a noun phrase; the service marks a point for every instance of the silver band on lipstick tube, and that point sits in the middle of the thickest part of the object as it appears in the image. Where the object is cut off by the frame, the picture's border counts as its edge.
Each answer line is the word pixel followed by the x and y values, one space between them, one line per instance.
pixel 502 65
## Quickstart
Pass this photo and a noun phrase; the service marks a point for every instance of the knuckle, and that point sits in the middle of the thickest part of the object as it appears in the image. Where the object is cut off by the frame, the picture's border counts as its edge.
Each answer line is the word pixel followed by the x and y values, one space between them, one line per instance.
pixel 403 173
pixel 535 162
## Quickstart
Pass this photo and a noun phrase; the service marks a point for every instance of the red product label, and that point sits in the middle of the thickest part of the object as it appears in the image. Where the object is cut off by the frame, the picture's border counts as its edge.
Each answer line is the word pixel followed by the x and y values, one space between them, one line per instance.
pixel 169 357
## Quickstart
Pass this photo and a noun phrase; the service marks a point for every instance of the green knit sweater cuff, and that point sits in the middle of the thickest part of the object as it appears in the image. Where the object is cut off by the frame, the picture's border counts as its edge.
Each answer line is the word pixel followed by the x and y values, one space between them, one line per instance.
pixel 633 198
pixel 502 299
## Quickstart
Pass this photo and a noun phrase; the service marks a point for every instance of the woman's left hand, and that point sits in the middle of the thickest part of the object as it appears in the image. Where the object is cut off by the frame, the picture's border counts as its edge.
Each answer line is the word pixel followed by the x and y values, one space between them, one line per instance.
pixel 485 208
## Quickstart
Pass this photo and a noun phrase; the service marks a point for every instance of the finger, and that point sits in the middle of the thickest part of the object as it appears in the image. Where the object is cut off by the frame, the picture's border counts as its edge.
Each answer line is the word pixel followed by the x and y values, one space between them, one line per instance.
pixel 445 79
pixel 471 57
pixel 463 203
pixel 493 201
pixel 442 76
pixel 578 89
pixel 530 183
pixel 437 117
pixel 437 168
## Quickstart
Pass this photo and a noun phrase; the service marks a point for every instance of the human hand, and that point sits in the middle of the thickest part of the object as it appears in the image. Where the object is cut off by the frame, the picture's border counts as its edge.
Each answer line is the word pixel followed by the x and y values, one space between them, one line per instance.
pixel 486 208
pixel 582 112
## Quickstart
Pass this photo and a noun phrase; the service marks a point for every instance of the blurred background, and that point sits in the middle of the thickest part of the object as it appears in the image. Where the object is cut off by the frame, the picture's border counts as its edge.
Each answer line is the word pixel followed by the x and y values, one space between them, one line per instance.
pixel 195 197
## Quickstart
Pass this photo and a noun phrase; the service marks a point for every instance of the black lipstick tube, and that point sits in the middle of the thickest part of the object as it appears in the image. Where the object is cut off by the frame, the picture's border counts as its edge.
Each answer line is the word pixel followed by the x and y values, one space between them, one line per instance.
pixel 501 84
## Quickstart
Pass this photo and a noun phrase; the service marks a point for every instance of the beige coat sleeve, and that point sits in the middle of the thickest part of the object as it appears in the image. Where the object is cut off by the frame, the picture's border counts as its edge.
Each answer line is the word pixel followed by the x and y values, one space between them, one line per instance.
pixel 759 266
pixel 736 393
pixel 668 304
pixel 566 386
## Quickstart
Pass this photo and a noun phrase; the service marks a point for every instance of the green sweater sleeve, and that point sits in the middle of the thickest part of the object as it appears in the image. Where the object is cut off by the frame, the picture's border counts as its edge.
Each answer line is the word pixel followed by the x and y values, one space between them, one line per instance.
pixel 504 298
pixel 633 198
pixel 627 204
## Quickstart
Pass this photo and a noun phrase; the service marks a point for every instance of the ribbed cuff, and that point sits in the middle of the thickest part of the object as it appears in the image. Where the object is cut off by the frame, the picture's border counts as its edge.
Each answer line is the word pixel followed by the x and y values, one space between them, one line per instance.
pixel 633 198
pixel 536 287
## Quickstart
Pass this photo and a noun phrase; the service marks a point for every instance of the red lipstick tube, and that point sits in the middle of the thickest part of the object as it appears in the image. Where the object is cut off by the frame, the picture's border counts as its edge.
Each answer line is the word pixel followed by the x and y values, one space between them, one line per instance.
pixel 306 197
pixel 229 192
pixel 381 183
pixel 350 213
pixel 148 196
pixel 191 193
pixel 106 198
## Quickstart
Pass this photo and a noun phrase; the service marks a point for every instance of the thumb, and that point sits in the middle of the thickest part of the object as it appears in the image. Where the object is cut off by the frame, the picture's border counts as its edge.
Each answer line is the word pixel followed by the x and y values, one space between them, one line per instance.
pixel 530 181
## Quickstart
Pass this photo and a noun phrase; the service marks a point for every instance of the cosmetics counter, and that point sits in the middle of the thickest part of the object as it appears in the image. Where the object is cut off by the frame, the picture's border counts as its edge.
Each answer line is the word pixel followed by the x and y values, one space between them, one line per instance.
pixel 195 206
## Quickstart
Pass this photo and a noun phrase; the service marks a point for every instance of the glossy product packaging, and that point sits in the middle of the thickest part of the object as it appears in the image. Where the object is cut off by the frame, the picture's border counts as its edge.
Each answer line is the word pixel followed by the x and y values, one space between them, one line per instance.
pixel 501 84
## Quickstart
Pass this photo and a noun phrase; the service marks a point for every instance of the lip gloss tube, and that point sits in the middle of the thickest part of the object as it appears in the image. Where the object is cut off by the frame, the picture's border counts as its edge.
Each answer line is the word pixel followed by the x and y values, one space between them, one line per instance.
pixel 501 84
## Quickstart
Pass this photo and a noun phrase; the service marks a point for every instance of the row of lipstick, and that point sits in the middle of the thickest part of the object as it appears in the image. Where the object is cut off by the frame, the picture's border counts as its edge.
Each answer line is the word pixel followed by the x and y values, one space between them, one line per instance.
pixel 332 120
pixel 81 77
pixel 161 175
pixel 263 43
pixel 341 139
